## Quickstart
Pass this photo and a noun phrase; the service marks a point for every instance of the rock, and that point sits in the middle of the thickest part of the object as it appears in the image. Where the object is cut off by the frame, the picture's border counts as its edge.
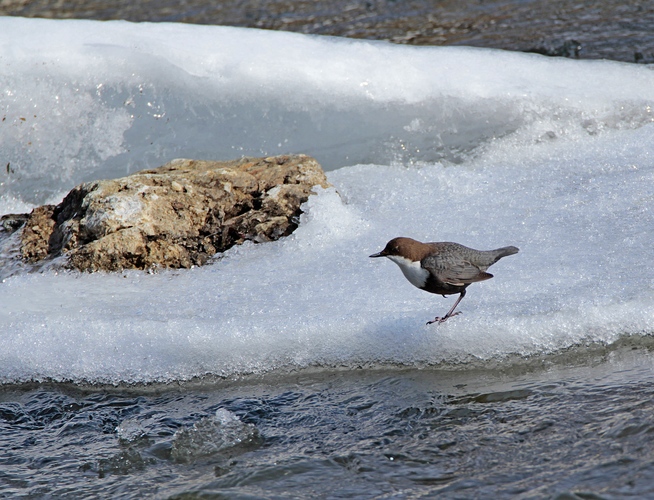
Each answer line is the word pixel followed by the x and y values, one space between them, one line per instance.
pixel 177 215
pixel 12 222
pixel 35 238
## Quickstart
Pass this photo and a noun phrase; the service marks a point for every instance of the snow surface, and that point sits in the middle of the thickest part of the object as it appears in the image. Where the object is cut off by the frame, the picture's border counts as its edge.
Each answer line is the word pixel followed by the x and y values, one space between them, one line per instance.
pixel 486 148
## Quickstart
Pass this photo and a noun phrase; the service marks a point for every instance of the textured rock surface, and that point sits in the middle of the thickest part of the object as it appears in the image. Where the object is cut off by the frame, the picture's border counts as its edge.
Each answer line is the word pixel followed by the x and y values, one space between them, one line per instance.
pixel 177 215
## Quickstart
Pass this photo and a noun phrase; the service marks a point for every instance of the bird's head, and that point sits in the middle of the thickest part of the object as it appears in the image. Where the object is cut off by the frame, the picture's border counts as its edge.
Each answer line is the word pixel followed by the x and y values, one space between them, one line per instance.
pixel 401 247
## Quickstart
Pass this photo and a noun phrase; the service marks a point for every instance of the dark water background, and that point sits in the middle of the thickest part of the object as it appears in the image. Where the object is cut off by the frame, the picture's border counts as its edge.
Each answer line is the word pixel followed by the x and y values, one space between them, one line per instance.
pixel 592 29
pixel 577 425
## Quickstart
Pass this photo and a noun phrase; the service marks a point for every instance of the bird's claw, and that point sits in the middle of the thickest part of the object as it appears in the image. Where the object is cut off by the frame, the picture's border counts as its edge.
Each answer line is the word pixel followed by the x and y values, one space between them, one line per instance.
pixel 440 320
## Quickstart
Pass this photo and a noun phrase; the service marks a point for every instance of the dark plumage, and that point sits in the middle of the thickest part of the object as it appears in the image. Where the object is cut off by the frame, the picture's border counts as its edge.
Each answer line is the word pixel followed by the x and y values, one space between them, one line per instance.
pixel 443 268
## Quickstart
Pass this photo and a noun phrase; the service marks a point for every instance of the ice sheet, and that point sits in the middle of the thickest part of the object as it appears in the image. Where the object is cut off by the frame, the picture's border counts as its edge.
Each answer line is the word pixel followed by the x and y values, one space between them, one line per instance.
pixel 486 148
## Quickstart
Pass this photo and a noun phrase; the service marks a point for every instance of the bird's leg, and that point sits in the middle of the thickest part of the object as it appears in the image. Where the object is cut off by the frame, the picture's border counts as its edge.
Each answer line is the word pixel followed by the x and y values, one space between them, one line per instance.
pixel 451 312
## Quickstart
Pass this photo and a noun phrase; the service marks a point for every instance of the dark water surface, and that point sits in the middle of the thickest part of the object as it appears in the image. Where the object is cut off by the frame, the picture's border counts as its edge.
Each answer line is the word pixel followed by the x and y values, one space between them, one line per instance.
pixel 580 426
pixel 612 29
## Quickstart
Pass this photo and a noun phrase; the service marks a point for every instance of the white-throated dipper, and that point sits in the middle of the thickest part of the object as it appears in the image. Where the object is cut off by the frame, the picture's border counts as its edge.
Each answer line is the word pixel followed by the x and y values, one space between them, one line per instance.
pixel 443 268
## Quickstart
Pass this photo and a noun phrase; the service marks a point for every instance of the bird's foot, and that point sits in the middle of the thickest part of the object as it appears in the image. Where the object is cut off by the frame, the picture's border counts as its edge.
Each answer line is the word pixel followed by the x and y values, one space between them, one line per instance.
pixel 440 320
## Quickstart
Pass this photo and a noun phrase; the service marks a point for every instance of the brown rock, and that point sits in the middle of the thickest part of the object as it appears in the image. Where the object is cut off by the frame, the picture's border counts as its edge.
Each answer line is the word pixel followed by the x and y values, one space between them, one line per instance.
pixel 177 215
pixel 37 232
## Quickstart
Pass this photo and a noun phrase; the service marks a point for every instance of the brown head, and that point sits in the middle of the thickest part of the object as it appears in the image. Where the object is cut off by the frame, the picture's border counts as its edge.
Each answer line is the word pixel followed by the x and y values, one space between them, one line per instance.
pixel 404 247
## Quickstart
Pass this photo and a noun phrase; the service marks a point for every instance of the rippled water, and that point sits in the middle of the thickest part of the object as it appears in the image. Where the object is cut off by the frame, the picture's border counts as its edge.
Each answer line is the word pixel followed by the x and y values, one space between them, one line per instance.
pixel 549 427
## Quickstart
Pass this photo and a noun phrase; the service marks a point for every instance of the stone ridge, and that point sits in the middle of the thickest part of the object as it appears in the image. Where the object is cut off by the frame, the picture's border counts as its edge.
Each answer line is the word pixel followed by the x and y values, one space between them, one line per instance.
pixel 177 215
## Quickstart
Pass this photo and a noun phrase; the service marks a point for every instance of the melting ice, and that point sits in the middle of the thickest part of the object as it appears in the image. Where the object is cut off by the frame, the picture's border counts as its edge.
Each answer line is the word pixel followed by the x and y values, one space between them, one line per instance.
pixel 486 148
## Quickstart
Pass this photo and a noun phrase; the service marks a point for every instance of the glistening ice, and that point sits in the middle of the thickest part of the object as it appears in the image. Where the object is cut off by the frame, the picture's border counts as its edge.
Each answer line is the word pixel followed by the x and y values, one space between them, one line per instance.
pixel 482 147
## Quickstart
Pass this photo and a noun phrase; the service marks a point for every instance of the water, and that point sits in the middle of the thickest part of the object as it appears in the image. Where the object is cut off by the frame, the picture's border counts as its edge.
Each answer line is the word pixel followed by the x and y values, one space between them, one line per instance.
pixel 302 366
pixel 544 429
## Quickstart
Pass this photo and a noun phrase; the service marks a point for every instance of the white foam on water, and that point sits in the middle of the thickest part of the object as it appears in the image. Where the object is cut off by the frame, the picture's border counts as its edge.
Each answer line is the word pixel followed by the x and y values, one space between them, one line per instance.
pixel 553 156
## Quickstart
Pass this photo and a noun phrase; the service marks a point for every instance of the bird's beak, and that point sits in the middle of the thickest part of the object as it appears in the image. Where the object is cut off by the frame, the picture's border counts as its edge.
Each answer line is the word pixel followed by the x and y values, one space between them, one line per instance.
pixel 379 254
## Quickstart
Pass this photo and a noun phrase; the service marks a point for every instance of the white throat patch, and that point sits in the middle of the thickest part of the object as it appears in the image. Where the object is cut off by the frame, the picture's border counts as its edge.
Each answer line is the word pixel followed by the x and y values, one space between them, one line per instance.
pixel 411 270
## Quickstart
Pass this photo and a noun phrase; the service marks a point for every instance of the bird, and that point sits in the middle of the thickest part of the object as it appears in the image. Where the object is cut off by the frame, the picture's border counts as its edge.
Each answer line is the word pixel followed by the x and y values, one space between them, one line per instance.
pixel 443 268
